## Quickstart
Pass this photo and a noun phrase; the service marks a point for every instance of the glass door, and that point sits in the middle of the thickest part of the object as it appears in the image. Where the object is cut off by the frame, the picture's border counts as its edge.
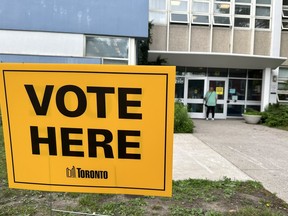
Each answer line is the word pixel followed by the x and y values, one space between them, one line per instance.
pixel 236 97
pixel 220 86
pixel 194 95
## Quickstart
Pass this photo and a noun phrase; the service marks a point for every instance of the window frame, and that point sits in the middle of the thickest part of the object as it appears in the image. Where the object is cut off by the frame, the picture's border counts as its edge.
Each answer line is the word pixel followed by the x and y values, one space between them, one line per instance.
pixel 178 12
pixel 126 59
pixel 284 18
pixel 159 11
pixel 177 21
pixel 158 21
pixel 261 17
pixel 221 24
pixel 284 21
pixel 175 10
pixel 201 13
pixel 243 16
pixel 224 15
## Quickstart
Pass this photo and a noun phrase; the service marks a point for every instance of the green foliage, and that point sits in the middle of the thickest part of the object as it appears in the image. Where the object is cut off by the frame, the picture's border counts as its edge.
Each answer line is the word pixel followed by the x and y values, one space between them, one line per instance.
pixel 207 191
pixel 143 47
pixel 3 173
pixel 24 210
pixel 99 203
pixel 250 111
pixel 180 211
pixel 276 115
pixel 255 212
pixel 182 121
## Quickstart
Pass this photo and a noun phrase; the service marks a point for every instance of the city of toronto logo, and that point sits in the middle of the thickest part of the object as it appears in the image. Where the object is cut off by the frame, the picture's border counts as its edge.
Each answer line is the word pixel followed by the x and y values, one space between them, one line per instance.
pixel 71 173
pixel 82 173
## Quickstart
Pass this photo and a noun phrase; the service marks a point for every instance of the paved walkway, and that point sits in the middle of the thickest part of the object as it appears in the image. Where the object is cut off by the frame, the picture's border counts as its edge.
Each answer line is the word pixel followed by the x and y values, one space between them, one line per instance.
pixel 234 149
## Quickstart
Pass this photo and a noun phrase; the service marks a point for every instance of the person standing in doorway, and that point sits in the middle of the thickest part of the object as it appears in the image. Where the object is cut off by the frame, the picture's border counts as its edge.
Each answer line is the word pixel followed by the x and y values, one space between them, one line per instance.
pixel 210 102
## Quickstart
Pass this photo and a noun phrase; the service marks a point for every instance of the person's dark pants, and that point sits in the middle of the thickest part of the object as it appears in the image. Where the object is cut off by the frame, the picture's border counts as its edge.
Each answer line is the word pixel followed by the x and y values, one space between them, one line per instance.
pixel 210 109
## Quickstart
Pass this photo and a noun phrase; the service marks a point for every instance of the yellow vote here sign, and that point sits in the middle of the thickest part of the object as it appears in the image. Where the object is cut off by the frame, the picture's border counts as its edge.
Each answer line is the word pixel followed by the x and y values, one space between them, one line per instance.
pixel 88 128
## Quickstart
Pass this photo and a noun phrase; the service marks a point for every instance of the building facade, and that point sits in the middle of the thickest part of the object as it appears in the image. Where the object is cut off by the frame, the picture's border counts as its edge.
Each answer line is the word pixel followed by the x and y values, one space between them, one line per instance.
pixel 72 31
pixel 239 47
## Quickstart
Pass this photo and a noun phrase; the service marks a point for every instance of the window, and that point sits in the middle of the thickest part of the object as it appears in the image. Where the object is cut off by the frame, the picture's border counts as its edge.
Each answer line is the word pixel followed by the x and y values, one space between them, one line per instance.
pixel 220 20
pixel 179 5
pixel 113 48
pixel 242 22
pixel 282 92
pixel 217 72
pixel 262 11
pixel 285 15
pixel 180 70
pixel 285 24
pixel 157 5
pixel 237 88
pixel 238 73
pixel 158 12
pixel 262 23
pixel 243 1
pixel 179 11
pixel 254 90
pixel 179 18
pixel 200 12
pixel 242 9
pixel 242 13
pixel 196 89
pixel 197 71
pixel 158 17
pixel 179 87
pixel 263 2
pixel 222 12
pixel 263 14
pixel 255 74
pixel 200 7
pixel 200 19
pixel 221 8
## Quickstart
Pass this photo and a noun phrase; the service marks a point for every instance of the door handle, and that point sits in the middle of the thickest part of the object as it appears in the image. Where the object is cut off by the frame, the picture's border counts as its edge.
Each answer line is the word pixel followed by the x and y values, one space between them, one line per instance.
pixel 228 101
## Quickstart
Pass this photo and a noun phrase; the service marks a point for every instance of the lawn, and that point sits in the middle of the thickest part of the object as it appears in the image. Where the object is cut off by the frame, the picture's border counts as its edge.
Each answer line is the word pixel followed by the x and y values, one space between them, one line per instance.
pixel 190 197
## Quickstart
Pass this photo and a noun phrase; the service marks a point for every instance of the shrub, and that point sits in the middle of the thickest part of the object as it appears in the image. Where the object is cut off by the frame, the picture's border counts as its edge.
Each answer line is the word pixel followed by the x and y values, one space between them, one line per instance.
pixel 250 111
pixel 182 122
pixel 275 115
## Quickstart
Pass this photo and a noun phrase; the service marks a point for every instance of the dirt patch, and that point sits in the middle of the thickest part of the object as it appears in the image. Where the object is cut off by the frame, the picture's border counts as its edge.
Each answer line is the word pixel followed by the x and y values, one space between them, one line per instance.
pixel 190 197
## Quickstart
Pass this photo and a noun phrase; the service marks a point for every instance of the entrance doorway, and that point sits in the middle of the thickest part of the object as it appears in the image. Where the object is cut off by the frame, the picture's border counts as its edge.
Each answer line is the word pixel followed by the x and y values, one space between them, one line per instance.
pixel 193 97
pixel 237 89
pixel 195 90
pixel 220 86
pixel 236 97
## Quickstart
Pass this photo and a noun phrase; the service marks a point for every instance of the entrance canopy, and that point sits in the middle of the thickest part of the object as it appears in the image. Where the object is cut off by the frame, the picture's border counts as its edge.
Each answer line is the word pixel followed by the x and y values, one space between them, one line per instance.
pixel 217 60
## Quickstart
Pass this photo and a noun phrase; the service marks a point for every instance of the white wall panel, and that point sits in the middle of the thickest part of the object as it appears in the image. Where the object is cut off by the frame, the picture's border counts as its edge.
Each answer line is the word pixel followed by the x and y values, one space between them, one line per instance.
pixel 41 43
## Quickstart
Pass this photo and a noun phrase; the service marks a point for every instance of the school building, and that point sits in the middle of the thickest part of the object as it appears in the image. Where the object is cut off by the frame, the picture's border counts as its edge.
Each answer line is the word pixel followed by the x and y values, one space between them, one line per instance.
pixel 239 47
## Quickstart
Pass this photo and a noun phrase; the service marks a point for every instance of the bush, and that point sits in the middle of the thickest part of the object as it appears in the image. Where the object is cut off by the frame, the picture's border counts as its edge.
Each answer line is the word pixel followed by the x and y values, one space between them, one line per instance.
pixel 250 111
pixel 182 122
pixel 275 115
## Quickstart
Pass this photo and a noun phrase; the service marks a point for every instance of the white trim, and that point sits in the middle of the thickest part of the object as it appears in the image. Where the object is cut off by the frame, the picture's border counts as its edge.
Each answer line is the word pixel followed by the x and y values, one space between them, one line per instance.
pixel 266 83
pixel 223 60
pixel 132 52
pixel 41 43
pixel 276 29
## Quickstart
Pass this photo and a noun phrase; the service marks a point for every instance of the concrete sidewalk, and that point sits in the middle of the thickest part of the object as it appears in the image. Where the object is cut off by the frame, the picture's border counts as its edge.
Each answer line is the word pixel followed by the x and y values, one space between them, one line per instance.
pixel 234 149
pixel 194 159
